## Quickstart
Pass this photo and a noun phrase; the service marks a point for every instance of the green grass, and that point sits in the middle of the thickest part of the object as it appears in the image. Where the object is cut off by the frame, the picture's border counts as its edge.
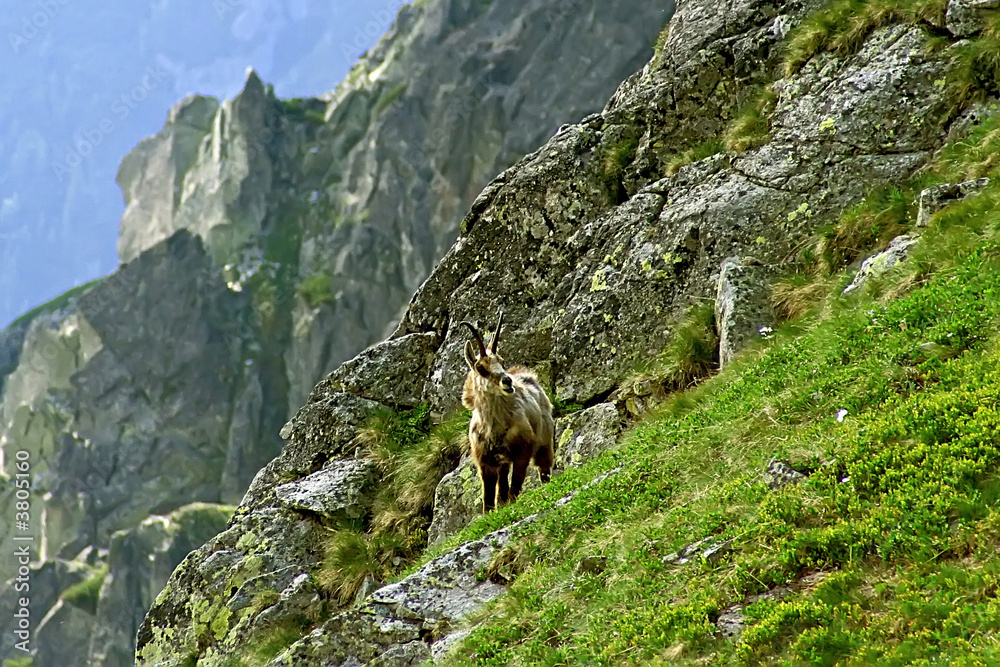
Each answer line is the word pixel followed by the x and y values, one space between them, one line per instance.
pixel 842 26
pixel 84 594
pixel 389 96
pixel 18 662
pixel 55 304
pixel 265 646
pixel 615 155
pixel 690 356
pixel 752 126
pixel 304 108
pixel 905 483
pixel 871 224
pixel 316 289
pixel 694 154
pixel 412 455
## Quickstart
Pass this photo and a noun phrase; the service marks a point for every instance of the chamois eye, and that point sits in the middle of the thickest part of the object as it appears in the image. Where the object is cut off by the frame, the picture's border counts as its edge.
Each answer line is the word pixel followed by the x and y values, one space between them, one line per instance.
pixel 482 371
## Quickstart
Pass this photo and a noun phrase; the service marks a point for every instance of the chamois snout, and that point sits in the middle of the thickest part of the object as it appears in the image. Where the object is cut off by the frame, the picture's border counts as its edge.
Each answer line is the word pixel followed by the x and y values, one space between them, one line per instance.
pixel 507 384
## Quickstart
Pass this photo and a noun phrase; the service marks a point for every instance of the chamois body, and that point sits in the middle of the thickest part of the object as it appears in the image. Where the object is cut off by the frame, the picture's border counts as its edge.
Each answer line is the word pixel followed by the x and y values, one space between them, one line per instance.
pixel 511 425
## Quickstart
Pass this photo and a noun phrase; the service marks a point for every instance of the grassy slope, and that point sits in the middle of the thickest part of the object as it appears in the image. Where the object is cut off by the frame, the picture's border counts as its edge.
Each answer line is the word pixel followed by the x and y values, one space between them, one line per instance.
pixel 888 549
pixel 898 514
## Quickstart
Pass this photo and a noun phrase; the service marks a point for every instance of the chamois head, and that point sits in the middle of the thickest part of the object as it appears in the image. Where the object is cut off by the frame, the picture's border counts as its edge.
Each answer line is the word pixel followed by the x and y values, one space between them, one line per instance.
pixel 487 365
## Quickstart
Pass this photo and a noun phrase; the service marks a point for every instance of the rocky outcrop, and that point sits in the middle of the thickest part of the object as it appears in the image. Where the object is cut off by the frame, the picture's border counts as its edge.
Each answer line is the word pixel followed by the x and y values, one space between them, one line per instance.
pixel 98 598
pixel 367 185
pixel 45 582
pixel 935 198
pixel 341 490
pixel 135 379
pixel 401 623
pixel 743 311
pixel 399 195
pixel 123 403
pixel 139 562
pixel 577 309
pixel 879 263
pixel 964 18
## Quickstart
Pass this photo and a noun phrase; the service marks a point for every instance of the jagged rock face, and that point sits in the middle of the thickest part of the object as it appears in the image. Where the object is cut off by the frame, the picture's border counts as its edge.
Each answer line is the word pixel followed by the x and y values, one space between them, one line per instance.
pixel 124 400
pixel 593 250
pixel 601 282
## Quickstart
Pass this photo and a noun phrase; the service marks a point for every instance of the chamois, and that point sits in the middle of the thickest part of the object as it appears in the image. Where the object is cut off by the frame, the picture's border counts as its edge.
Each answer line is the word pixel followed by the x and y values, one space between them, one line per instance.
pixel 512 421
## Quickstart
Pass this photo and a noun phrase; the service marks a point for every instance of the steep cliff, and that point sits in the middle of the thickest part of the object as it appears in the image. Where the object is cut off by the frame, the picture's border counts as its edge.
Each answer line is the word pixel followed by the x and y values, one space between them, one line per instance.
pixel 264 241
pixel 750 132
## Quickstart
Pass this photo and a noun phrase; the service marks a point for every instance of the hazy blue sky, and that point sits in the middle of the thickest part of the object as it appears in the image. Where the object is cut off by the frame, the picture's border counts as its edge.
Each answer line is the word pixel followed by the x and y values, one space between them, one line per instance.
pixel 82 82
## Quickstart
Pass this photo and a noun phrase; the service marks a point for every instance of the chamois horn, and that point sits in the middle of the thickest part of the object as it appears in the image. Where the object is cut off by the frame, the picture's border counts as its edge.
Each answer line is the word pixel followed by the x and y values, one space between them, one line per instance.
pixel 475 333
pixel 496 332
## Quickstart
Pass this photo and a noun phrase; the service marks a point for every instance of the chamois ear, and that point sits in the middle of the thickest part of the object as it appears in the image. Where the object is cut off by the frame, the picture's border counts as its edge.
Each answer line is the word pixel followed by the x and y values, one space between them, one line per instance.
pixel 470 355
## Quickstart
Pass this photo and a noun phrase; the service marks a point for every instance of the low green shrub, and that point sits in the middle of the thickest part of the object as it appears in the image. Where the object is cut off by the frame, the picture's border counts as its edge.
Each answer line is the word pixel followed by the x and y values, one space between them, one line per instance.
pixel 85 594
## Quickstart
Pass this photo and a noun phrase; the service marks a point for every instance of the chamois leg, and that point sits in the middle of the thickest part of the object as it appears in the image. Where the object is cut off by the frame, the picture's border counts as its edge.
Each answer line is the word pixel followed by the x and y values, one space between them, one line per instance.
pixel 489 476
pixel 543 459
pixel 504 483
pixel 517 479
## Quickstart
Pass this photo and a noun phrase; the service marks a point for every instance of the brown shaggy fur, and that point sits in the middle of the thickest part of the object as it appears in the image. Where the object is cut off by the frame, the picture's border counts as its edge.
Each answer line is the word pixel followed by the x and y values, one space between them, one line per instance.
pixel 512 422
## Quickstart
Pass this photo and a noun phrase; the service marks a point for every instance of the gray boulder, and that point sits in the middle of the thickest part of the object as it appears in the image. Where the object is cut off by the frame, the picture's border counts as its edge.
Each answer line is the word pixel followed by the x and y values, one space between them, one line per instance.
pixel 965 18
pixel 391 372
pixel 876 265
pixel 935 198
pixel 342 489
pixel 743 312
pixel 584 435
